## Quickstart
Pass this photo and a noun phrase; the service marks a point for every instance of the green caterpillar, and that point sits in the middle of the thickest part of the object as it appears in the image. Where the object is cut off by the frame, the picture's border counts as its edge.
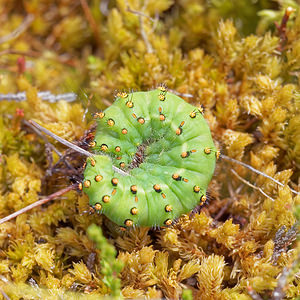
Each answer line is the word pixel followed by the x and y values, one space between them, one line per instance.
pixel 164 148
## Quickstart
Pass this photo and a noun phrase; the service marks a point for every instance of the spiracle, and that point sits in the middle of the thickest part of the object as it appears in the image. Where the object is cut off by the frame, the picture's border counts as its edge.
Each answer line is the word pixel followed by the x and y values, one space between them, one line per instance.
pixel 164 147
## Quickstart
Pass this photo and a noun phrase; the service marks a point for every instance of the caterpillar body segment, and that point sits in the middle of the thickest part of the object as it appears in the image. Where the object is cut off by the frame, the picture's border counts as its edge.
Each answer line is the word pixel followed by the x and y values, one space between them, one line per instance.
pixel 165 147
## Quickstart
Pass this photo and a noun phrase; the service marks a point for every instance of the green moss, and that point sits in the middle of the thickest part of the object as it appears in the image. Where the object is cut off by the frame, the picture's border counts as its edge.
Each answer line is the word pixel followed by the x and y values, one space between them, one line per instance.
pixel 225 55
pixel 110 267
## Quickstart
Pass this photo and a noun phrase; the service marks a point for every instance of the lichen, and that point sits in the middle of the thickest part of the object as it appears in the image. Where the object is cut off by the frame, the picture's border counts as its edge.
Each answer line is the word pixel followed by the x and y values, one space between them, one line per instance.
pixel 227 56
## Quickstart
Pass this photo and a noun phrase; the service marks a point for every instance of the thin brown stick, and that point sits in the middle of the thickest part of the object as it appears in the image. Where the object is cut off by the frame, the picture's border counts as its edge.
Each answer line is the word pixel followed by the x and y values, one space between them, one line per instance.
pixel 140 14
pixel 250 184
pixel 282 28
pixel 144 36
pixel 61 140
pixel 72 146
pixel 255 171
pixel 44 95
pixel 22 53
pixel 38 132
pixel 91 20
pixel 38 203
pixel 142 30
pixel 181 94
pixel 23 26
pixel 43 137
pixel 106 102
pixel 5 296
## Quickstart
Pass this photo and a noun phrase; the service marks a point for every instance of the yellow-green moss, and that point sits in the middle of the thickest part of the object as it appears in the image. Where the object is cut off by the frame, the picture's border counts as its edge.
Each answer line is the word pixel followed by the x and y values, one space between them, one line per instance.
pixel 229 57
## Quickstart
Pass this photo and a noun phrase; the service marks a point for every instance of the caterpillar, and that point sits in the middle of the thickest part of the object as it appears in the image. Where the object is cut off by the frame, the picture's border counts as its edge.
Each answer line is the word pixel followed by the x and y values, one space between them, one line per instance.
pixel 153 159
pixel 142 141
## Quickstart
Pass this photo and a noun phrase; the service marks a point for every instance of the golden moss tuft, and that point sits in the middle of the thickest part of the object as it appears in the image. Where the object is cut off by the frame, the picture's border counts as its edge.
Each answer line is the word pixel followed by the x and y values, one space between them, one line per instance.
pixel 225 56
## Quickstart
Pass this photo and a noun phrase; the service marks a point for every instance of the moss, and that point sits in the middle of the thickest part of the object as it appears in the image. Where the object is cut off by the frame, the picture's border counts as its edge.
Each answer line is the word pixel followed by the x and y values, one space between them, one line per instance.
pixel 110 267
pixel 227 56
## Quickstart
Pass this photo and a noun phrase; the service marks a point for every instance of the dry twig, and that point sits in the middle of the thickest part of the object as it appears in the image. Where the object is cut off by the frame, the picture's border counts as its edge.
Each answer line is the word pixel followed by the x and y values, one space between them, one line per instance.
pixel 39 203
pixel 61 140
pixel 250 184
pixel 141 15
pixel 46 95
pixel 255 171
pixel 49 145
pixel 282 28
pixel 72 146
pixel 91 21
pixel 23 26
pixel 181 94
pixel 21 53
pixel 5 296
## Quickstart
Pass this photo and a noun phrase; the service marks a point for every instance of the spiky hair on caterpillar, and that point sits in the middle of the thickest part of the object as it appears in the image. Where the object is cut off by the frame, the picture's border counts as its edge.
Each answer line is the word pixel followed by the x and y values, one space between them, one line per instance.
pixel 164 147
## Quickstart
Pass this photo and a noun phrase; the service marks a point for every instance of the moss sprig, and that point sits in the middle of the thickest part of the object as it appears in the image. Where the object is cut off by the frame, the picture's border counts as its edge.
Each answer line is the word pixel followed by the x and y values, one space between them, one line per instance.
pixel 110 266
